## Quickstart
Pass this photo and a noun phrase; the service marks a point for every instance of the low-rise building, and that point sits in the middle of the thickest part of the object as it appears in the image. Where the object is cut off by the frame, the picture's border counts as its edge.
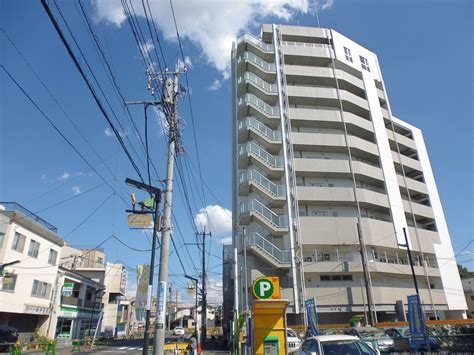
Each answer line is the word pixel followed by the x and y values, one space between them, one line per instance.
pixel 25 296
pixel 468 286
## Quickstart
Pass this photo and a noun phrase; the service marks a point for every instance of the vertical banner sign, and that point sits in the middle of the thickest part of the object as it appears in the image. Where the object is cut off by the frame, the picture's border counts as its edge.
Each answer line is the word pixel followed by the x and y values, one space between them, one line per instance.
pixel 312 316
pixel 143 275
pixel 415 320
pixel 249 333
pixel 160 307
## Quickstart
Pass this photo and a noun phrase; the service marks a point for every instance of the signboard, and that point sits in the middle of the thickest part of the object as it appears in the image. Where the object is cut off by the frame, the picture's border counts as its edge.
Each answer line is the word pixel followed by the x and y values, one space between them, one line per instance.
pixel 312 316
pixel 139 220
pixel 266 287
pixel 143 276
pixel 68 287
pixel 160 307
pixel 32 309
pixel 416 322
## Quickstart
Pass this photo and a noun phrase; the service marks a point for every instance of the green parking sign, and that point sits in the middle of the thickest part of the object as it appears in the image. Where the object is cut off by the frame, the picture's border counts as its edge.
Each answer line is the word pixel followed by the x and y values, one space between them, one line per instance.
pixel 266 287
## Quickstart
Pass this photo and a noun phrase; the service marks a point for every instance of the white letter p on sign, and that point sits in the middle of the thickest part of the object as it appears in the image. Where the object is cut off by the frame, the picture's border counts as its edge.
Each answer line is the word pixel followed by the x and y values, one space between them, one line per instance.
pixel 264 287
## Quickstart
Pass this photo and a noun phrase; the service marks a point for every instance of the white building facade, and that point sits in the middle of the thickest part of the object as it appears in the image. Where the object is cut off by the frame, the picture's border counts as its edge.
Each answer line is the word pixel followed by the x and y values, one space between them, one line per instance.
pixel 317 152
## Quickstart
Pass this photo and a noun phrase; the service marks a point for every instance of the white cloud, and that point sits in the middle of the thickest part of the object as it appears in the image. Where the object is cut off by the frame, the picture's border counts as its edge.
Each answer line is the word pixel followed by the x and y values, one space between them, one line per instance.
pixel 131 289
pixel 216 85
pixel 214 218
pixel 187 63
pixel 210 25
pixel 76 190
pixel 214 291
pixel 110 133
pixel 66 175
pixel 327 4
pixel 226 241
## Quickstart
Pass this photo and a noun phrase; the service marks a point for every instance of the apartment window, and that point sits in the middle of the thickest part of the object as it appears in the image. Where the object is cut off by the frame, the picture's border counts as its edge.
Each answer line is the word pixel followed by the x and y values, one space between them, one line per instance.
pixel 41 289
pixel 325 278
pixel 53 256
pixel 18 242
pixel 33 250
pixel 364 63
pixel 347 277
pixel 100 260
pixel 472 298
pixel 336 278
pixel 348 54
pixel 9 283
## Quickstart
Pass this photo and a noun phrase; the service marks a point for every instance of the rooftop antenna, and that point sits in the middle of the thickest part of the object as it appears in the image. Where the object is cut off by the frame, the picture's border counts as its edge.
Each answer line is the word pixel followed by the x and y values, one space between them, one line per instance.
pixel 316 4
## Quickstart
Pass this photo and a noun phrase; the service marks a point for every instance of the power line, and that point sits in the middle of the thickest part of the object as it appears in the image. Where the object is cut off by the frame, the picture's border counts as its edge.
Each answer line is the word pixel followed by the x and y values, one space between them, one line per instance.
pixel 89 85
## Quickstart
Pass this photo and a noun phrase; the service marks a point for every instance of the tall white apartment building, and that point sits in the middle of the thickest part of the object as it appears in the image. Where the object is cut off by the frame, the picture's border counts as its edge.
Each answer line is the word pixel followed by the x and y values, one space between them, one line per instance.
pixel 317 152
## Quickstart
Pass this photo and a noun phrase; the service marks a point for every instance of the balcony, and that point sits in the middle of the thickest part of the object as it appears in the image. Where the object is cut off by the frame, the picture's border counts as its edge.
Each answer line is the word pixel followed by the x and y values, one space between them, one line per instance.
pixel 248 61
pixel 247 38
pixel 250 209
pixel 252 83
pixel 251 105
pixel 72 301
pixel 250 127
pixel 311 54
pixel 250 150
pixel 275 194
pixel 268 251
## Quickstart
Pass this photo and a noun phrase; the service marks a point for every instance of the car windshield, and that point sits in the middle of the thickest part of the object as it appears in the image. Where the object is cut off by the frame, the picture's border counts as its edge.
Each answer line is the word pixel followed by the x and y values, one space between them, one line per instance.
pixel 353 347
pixel 405 332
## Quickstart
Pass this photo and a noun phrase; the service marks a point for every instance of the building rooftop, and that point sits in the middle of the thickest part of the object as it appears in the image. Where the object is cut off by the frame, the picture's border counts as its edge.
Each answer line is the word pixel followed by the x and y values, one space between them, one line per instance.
pixel 16 207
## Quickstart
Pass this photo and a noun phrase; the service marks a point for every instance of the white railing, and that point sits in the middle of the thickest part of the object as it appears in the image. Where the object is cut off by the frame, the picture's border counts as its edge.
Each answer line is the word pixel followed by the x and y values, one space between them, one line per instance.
pixel 254 175
pixel 255 79
pixel 259 62
pixel 268 214
pixel 282 256
pixel 305 44
pixel 250 99
pixel 267 47
pixel 252 122
pixel 253 148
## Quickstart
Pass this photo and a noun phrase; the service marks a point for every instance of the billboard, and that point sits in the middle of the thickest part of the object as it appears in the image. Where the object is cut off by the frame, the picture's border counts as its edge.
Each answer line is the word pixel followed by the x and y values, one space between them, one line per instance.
pixel 143 276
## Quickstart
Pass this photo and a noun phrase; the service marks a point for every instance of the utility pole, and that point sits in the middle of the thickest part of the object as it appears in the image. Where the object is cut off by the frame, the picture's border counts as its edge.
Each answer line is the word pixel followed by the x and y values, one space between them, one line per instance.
pixel 156 192
pixel 195 305
pixel 204 291
pixel 363 255
pixel 415 281
pixel 170 105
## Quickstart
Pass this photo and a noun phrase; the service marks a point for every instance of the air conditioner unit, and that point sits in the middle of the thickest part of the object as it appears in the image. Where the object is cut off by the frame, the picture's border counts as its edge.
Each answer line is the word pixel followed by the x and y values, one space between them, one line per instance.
pixel 308 259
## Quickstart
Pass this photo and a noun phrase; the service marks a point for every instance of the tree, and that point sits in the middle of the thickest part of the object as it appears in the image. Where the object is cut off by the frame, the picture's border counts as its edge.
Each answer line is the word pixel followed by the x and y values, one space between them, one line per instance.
pixel 464 272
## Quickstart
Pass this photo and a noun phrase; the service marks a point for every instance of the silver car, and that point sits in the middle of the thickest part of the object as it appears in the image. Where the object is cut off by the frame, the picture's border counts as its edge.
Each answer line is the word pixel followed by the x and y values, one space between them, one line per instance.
pixel 335 345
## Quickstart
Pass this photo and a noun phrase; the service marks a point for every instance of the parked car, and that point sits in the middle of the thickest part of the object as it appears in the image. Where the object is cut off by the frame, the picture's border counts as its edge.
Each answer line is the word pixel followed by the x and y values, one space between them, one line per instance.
pixel 336 344
pixel 178 331
pixel 293 340
pixel 404 333
pixel 8 337
pixel 374 336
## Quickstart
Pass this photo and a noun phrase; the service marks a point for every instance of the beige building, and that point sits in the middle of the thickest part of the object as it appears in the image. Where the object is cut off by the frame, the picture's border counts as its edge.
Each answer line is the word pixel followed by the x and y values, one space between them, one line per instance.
pixel 26 296
pixel 317 151
pixel 468 285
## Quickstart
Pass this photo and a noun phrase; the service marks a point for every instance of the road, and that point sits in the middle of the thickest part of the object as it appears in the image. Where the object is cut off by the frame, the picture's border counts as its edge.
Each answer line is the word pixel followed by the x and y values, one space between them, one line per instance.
pixel 133 347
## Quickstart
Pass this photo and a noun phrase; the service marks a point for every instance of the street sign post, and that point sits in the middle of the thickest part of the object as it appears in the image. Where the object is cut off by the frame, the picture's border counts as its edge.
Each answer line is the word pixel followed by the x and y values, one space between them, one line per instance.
pixel 139 221
pixel 266 287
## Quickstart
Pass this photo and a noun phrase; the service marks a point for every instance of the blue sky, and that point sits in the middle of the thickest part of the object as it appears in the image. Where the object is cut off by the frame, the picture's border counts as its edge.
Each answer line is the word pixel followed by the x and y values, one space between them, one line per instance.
pixel 424 48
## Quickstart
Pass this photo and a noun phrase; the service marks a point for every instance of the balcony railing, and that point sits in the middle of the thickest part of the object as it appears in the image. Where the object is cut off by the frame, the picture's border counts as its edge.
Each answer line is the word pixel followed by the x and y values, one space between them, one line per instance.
pixel 72 301
pixel 254 175
pixel 13 206
pixel 251 99
pixel 256 60
pixel 267 47
pixel 305 44
pixel 282 256
pixel 280 221
pixel 253 148
pixel 252 122
pixel 255 79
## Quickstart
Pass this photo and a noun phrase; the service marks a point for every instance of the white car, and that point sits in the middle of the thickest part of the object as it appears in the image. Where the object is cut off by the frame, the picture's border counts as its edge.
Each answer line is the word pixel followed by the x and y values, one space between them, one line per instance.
pixel 336 344
pixel 293 340
pixel 178 331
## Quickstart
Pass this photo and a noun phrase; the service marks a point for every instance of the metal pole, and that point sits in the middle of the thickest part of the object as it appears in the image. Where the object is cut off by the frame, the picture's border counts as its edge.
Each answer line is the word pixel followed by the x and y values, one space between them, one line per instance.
pixel 245 272
pixel 150 279
pixel 366 277
pixel 92 313
pixel 166 232
pixel 204 293
pixel 415 282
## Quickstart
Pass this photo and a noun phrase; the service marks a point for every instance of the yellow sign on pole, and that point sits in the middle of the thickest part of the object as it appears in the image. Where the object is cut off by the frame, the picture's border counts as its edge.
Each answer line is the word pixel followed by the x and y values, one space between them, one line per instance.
pixel 139 220
pixel 266 287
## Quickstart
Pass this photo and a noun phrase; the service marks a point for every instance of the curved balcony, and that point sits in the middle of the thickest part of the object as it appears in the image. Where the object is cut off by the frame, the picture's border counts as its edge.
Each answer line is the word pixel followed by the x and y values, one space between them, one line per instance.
pixel 251 150
pixel 268 251
pixel 275 194
pixel 247 42
pixel 338 168
pixel 248 61
pixel 250 82
pixel 251 209
pixel 250 127
pixel 251 105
